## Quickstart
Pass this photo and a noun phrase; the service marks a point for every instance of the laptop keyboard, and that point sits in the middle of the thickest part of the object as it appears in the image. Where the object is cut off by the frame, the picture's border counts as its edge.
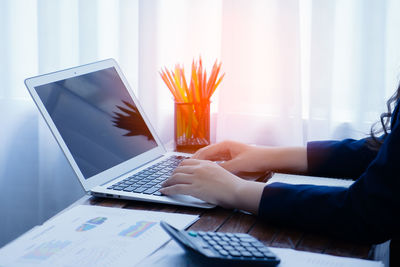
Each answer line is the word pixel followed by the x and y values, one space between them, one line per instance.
pixel 149 180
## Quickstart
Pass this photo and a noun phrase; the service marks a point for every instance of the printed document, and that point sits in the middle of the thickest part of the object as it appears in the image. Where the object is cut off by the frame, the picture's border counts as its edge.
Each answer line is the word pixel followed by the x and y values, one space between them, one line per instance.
pixel 93 236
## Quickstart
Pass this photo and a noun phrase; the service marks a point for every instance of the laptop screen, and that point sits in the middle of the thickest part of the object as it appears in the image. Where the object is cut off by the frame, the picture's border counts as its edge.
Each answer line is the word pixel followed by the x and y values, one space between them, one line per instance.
pixel 97 119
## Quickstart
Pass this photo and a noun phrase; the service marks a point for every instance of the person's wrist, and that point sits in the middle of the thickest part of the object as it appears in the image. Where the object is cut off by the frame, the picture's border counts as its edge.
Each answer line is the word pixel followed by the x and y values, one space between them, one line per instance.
pixel 247 195
pixel 230 196
pixel 288 159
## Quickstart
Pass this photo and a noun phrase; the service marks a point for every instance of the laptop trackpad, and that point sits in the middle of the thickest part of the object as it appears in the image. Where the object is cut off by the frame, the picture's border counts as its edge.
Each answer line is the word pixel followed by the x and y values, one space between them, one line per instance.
pixel 190 199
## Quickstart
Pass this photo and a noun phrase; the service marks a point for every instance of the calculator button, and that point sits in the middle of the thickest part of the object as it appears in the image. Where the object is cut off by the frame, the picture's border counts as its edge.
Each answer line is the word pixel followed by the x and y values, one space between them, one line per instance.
pixel 240 248
pixel 251 249
pixel 246 244
pixel 223 252
pixel 257 244
pixel 269 255
pixel 225 238
pixel 241 235
pixel 247 239
pixel 212 242
pixel 192 233
pixel 235 239
pixel 216 238
pixel 263 249
pixel 206 237
pixel 201 233
pixel 234 243
pixel 246 254
pixel 209 252
pixel 223 243
pixel 258 254
pixel 235 253
pixel 217 247
pixel 228 247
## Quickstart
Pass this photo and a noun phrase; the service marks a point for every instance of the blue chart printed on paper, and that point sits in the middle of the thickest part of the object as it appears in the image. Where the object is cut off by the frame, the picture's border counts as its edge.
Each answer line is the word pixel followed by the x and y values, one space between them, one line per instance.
pixel 90 224
pixel 46 250
pixel 137 229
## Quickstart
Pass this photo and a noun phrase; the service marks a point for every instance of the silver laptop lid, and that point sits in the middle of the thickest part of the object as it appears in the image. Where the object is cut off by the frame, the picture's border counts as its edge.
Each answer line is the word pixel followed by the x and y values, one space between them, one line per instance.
pixel 97 121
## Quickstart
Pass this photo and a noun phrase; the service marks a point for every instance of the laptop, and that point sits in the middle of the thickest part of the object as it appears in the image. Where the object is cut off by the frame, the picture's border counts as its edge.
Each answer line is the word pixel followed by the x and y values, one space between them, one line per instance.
pixel 105 135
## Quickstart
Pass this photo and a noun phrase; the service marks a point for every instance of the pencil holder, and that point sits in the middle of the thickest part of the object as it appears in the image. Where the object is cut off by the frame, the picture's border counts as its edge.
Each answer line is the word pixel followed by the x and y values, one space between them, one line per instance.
pixel 192 125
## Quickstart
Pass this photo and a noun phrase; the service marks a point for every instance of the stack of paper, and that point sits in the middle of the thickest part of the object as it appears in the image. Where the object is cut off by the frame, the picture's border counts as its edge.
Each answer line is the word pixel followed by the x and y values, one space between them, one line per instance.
pixel 290 257
pixel 313 180
pixel 93 236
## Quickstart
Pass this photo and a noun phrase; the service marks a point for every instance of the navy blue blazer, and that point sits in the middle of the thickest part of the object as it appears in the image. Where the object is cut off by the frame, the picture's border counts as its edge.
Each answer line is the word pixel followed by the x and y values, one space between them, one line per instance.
pixel 368 211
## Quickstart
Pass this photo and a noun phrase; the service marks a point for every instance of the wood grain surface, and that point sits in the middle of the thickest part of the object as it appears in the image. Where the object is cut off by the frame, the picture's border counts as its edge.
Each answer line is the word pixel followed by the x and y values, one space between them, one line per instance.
pixel 223 220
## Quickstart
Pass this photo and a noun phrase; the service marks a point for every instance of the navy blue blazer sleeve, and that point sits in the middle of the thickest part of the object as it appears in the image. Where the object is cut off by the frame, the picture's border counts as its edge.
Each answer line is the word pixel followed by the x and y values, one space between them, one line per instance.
pixel 346 159
pixel 367 211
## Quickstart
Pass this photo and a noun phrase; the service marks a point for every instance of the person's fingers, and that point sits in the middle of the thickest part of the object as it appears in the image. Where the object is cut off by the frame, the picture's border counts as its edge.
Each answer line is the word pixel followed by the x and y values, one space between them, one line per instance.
pixel 176 189
pixel 212 152
pixel 187 169
pixel 178 178
pixel 201 152
pixel 189 162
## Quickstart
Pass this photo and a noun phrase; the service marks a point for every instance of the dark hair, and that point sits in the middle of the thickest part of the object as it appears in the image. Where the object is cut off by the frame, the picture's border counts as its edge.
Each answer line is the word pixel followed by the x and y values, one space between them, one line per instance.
pixel 374 141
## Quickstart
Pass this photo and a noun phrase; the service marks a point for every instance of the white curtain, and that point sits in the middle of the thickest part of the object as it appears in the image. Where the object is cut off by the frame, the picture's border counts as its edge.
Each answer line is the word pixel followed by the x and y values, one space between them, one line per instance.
pixel 296 70
pixel 354 65
pixel 261 52
pixel 40 36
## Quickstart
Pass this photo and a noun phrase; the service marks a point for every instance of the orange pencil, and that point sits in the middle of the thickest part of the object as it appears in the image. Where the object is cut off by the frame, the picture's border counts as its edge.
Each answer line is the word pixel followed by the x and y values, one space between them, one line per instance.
pixel 180 99
pixel 216 85
pixel 195 81
pixel 184 85
pixel 170 84
pixel 198 88
pixel 211 78
pixel 204 84
pixel 165 79
pixel 210 89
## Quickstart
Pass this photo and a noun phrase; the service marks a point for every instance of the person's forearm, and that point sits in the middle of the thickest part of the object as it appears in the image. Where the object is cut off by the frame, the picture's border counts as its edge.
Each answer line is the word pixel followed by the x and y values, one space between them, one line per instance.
pixel 287 159
pixel 248 194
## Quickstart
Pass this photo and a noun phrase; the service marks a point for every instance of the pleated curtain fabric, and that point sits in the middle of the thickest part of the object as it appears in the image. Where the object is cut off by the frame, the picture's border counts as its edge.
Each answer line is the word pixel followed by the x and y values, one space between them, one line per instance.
pixel 296 70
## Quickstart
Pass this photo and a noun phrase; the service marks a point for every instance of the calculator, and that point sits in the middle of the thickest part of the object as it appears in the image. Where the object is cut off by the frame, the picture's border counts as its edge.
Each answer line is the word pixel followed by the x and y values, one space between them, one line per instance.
pixel 223 248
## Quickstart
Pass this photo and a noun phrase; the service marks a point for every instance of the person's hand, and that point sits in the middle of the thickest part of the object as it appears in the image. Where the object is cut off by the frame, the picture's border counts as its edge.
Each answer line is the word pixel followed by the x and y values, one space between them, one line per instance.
pixel 205 180
pixel 208 181
pixel 236 157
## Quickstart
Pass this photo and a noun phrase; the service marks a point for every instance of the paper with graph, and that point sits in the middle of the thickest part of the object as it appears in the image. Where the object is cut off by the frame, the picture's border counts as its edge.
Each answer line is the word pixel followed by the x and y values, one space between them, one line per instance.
pixel 93 236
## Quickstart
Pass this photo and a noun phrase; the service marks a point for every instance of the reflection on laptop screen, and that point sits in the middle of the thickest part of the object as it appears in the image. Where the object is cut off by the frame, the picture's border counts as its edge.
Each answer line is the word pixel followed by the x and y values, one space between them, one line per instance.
pixel 97 119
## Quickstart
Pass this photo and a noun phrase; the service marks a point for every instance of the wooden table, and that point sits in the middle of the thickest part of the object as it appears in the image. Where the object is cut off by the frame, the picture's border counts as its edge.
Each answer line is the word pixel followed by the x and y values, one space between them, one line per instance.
pixel 224 220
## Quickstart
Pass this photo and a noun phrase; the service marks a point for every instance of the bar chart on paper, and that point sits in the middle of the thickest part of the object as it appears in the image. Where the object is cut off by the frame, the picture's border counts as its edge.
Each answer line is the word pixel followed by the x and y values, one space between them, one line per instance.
pixel 137 229
pixel 46 250
pixel 91 224
pixel 92 236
